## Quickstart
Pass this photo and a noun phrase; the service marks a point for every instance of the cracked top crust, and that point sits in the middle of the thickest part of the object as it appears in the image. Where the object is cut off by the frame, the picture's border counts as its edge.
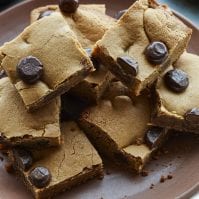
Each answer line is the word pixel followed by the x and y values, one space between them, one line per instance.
pixel 122 119
pixel 144 22
pixel 60 53
pixel 179 103
pixel 89 24
pixel 75 156
pixel 16 122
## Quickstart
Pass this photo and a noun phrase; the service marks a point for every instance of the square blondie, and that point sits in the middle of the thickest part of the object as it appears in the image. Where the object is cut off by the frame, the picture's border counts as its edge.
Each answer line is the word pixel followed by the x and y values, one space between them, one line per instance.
pixel 73 163
pixel 142 44
pixel 55 57
pixel 119 128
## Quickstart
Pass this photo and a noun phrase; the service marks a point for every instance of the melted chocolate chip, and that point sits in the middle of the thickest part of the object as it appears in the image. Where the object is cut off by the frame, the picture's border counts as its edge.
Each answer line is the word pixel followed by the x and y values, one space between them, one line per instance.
pixel 45 13
pixel 95 62
pixel 192 116
pixel 40 177
pixel 68 6
pixel 30 69
pixel 2 74
pixel 156 52
pixel 25 158
pixel 154 136
pixel 120 13
pixel 176 80
pixel 128 64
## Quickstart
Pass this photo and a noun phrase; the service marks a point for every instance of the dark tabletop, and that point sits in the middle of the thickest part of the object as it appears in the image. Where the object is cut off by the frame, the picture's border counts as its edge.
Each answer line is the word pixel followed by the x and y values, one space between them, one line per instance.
pixel 189 8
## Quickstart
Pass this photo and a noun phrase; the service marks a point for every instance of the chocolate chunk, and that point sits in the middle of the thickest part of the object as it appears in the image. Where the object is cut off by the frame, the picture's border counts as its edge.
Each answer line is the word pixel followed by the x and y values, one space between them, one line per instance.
pixel 154 136
pixel 96 63
pixel 40 177
pixel 120 13
pixel 176 80
pixel 68 6
pixel 46 13
pixel 156 52
pixel 2 74
pixel 128 64
pixel 30 69
pixel 192 116
pixel 25 158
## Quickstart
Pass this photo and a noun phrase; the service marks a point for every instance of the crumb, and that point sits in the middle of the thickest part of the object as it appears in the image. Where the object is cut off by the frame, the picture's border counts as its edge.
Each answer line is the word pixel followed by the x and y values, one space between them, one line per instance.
pixel 72 129
pixel 169 177
pixel 162 179
pixel 144 173
pixel 9 167
pixel 170 164
pixel 178 156
pixel 1 158
pixel 152 186
pixel 108 172
pixel 155 157
pixel 100 177
pixel 165 151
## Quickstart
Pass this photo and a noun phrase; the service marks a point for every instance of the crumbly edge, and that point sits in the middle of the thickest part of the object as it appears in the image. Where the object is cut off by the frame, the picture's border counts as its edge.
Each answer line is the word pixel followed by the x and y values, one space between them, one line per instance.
pixel 164 118
pixel 135 85
pixel 72 81
pixel 108 148
pixel 93 92
pixel 29 141
pixel 96 171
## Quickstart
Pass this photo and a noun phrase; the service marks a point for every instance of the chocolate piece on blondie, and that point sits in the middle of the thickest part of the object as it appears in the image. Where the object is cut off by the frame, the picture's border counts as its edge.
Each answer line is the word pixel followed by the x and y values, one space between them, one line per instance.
pixel 58 169
pixel 117 128
pixel 150 36
pixel 178 109
pixel 18 127
pixel 65 63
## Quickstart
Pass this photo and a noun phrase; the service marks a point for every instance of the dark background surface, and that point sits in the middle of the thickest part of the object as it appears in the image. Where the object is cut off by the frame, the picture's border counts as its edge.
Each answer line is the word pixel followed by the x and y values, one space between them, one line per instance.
pixel 189 8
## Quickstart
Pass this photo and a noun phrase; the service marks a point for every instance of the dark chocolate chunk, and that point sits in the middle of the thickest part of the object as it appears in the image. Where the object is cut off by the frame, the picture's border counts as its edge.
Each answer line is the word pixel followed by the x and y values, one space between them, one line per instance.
pixel 30 69
pixel 45 13
pixel 95 62
pixel 176 80
pixel 128 64
pixel 192 116
pixel 154 136
pixel 25 158
pixel 2 74
pixel 68 6
pixel 156 52
pixel 120 13
pixel 40 177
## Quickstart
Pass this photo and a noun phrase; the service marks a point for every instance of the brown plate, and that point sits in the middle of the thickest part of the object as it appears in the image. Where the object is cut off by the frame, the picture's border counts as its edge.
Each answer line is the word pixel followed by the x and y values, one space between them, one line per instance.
pixel 183 152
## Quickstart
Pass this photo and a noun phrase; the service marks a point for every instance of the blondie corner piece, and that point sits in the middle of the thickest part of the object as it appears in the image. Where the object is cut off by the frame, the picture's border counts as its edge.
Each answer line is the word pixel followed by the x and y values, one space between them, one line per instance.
pixel 119 129
pixel 178 109
pixel 142 44
pixel 18 127
pixel 55 59
pixel 73 163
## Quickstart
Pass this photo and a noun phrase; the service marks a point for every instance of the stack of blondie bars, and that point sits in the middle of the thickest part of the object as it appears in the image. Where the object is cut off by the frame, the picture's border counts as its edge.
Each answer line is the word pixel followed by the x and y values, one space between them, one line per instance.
pixel 77 82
